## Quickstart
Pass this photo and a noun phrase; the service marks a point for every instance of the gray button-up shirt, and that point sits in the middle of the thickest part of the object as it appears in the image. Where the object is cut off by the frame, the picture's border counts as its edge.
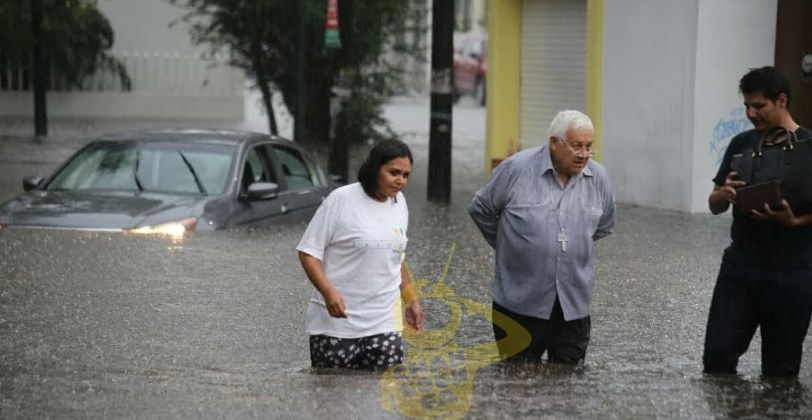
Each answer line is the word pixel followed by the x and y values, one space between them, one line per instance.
pixel 543 233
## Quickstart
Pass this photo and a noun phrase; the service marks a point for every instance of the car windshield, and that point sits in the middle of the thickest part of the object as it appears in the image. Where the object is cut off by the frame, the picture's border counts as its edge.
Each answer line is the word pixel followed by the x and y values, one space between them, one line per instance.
pixel 185 168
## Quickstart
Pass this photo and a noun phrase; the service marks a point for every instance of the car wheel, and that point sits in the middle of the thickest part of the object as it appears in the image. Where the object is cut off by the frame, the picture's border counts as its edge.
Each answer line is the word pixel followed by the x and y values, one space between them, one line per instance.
pixel 480 92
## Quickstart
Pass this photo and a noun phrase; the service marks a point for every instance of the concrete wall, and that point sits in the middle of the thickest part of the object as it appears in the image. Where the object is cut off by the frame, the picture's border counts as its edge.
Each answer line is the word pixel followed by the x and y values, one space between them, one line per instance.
pixel 734 36
pixel 649 65
pixel 144 25
pixel 670 76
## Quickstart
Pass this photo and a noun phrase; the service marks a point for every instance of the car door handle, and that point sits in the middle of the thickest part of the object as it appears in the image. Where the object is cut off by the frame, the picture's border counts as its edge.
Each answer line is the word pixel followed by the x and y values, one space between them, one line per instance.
pixel 284 208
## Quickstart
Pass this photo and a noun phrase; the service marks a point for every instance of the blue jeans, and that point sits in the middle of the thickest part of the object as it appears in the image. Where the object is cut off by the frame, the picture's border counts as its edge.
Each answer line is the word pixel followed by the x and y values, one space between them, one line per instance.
pixel 746 297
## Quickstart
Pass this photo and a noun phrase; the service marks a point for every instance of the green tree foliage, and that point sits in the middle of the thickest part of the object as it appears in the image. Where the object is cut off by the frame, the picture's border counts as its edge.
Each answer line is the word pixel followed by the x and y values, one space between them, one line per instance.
pixel 76 39
pixel 261 37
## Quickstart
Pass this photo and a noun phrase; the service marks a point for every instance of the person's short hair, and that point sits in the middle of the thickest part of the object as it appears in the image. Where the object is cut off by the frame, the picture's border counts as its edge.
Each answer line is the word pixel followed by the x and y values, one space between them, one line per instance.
pixel 767 80
pixel 380 154
pixel 569 119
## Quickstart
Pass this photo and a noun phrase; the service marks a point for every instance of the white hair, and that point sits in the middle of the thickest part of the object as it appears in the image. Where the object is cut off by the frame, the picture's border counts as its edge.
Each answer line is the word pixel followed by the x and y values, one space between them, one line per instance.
pixel 569 119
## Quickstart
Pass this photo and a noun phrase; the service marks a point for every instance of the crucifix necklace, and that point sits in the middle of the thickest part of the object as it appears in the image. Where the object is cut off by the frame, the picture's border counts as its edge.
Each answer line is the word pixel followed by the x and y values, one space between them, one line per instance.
pixel 561 217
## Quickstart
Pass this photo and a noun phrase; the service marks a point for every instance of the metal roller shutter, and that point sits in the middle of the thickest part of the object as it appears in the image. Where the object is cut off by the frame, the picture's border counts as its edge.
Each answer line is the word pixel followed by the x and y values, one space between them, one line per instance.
pixel 553 64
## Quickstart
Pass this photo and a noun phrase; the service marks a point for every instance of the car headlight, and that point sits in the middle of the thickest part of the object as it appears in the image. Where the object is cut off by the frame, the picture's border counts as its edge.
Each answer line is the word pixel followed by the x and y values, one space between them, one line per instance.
pixel 175 229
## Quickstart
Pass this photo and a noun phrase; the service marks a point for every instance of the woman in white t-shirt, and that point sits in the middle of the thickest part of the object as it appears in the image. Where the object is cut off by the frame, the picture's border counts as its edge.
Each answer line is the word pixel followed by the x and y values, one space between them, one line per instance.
pixel 353 252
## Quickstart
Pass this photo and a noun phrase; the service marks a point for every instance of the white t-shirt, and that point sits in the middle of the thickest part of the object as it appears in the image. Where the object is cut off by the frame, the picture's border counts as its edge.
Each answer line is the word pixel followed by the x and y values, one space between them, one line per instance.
pixel 360 243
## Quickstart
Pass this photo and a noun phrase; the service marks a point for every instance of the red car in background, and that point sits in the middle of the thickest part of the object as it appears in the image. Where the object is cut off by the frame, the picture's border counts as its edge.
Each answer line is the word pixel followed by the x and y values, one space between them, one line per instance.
pixel 471 67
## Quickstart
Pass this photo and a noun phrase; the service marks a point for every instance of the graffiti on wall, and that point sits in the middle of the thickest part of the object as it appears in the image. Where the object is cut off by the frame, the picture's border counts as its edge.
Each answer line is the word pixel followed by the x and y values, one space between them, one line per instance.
pixel 724 130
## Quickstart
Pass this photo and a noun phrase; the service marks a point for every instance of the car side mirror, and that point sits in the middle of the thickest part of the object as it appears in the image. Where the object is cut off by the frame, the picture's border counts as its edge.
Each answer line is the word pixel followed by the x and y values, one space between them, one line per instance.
pixel 262 191
pixel 32 182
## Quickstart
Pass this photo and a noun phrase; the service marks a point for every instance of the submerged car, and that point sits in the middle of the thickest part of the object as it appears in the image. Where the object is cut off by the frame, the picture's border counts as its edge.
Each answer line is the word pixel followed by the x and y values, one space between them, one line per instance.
pixel 173 181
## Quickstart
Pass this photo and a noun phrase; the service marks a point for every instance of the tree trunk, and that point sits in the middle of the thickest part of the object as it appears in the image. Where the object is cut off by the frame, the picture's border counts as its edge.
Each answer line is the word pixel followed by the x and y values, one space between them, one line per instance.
pixel 263 82
pixel 317 128
pixel 40 65
pixel 267 96
pixel 339 161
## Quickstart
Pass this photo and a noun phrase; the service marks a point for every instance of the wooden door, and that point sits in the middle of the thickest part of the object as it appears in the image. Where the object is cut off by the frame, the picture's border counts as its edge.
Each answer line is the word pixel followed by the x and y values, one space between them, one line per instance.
pixel 793 54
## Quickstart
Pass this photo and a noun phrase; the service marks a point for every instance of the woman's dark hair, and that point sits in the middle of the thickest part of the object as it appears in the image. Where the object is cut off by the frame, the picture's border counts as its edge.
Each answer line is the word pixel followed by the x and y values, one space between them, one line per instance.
pixel 382 153
pixel 767 80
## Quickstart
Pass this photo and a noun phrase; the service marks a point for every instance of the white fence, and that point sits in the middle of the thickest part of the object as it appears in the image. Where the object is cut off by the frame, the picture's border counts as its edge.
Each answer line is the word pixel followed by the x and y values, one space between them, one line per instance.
pixel 176 74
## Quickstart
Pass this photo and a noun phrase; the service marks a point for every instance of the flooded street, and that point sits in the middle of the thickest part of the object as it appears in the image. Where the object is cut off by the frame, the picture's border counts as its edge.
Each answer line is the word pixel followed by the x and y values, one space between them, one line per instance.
pixel 101 325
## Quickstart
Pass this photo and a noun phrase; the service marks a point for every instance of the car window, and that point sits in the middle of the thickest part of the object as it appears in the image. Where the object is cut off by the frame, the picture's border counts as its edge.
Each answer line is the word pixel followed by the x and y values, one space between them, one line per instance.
pixel 299 172
pixel 475 48
pixel 150 167
pixel 99 168
pixel 254 169
pixel 180 171
pixel 466 47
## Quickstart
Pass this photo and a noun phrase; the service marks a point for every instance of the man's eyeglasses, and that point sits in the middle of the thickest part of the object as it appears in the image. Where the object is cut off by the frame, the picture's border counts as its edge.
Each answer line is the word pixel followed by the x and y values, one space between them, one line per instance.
pixel 580 150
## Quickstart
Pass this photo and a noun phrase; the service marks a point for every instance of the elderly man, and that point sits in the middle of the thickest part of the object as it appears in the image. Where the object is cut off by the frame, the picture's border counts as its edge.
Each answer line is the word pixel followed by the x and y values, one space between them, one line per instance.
pixel 541 210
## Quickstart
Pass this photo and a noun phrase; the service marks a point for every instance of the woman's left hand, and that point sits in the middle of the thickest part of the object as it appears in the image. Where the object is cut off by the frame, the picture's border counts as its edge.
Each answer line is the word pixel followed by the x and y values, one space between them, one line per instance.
pixel 414 316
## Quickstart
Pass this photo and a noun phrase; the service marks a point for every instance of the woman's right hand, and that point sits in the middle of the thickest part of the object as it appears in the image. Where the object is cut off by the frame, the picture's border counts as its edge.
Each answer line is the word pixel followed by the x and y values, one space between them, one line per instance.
pixel 334 303
pixel 315 273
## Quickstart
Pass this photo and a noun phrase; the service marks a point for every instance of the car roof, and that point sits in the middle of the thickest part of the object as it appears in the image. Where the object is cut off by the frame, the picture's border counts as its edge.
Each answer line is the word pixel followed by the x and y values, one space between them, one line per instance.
pixel 201 136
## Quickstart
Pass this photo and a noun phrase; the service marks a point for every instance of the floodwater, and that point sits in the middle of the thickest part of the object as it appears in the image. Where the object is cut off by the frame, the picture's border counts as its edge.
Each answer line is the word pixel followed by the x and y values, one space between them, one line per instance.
pixel 103 325
pixel 100 325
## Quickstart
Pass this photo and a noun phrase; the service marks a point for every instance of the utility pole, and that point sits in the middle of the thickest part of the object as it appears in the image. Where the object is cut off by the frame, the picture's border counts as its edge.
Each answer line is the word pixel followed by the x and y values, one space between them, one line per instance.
pixel 442 61
pixel 299 122
pixel 338 158
pixel 39 71
pixel 338 161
